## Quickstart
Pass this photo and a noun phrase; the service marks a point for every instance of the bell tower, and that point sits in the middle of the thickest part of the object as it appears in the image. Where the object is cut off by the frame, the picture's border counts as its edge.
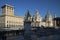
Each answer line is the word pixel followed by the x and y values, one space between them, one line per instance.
pixel 7 10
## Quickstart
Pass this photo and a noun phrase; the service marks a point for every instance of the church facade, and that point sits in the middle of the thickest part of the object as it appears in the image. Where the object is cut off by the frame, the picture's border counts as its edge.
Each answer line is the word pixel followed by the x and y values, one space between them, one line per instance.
pixel 38 21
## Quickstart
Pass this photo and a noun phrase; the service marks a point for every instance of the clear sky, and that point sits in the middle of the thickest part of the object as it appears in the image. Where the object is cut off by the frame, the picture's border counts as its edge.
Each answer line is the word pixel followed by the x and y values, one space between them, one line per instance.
pixel 21 6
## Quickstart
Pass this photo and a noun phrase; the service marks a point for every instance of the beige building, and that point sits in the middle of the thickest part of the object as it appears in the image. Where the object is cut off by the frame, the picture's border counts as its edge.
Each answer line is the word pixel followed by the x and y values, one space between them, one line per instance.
pixel 48 20
pixel 38 21
pixel 9 20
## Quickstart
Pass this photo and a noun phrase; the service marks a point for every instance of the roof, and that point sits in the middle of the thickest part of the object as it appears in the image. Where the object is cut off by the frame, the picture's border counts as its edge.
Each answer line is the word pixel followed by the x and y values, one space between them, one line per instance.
pixel 57 18
pixel 6 5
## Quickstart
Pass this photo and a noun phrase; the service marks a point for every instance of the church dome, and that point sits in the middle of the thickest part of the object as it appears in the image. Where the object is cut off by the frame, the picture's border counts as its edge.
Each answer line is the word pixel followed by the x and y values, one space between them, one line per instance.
pixel 37 16
pixel 48 17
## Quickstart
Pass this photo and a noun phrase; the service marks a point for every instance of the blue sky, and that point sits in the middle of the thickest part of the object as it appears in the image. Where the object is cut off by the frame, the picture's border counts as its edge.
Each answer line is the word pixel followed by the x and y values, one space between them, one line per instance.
pixel 21 6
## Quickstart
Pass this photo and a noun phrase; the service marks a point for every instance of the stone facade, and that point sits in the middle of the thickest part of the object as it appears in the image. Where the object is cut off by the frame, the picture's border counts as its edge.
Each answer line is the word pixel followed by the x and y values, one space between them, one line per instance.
pixel 38 21
pixel 9 20
pixel 48 20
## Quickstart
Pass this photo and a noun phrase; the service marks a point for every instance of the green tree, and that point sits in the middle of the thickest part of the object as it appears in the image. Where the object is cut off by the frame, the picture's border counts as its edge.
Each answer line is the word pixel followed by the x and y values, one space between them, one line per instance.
pixel 28 16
